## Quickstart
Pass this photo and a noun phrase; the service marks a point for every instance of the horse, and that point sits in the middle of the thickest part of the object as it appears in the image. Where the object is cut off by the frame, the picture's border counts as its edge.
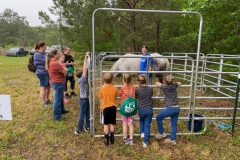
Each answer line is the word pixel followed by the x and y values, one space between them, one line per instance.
pixel 133 64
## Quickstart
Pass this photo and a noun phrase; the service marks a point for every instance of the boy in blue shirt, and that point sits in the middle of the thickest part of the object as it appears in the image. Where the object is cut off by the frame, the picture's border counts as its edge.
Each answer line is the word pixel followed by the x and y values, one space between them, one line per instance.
pixel 81 73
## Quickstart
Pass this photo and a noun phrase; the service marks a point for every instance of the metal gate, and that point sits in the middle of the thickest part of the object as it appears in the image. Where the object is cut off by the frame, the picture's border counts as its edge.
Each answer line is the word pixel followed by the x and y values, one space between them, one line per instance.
pixel 194 71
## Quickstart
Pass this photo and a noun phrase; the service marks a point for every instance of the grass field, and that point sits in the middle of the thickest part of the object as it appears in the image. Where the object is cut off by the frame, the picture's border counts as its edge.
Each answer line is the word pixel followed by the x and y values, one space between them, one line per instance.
pixel 32 134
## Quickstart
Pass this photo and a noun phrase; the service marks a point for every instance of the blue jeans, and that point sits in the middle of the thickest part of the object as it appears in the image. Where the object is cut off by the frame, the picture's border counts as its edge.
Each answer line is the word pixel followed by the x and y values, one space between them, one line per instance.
pixel 84 112
pixel 173 113
pixel 145 120
pixel 58 105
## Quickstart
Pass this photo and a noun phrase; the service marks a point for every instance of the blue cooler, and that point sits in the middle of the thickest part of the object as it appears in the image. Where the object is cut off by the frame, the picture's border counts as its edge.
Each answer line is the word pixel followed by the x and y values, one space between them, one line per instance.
pixel 197 123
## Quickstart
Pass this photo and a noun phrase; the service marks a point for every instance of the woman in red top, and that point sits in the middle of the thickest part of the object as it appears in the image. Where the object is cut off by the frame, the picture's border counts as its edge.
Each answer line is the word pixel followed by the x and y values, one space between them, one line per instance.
pixel 57 80
pixel 128 90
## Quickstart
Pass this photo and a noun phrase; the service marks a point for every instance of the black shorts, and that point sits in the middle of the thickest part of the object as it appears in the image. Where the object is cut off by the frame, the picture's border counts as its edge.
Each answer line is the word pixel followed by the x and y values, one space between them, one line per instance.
pixel 109 115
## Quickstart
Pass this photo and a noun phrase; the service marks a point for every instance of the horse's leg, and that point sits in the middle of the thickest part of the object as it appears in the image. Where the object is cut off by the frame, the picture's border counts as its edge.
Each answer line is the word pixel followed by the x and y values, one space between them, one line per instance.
pixel 160 77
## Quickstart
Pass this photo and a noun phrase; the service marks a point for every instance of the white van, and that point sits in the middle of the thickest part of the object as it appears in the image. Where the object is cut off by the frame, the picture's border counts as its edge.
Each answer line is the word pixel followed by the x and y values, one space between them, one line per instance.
pixel 58 47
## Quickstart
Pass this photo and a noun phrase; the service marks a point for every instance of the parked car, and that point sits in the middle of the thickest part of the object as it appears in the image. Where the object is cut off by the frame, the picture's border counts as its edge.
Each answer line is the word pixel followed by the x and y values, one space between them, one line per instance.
pixel 16 52
pixel 31 52
pixel 58 47
pixel 48 49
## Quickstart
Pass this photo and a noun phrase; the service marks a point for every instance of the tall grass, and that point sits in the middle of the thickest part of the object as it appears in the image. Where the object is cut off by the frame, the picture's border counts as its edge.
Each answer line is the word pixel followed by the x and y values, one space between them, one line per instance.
pixel 32 134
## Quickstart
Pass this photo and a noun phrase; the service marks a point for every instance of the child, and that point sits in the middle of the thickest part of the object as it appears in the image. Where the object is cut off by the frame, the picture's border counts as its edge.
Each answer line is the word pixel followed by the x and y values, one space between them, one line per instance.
pixel 128 90
pixel 81 73
pixel 172 109
pixel 61 61
pixel 108 95
pixel 145 111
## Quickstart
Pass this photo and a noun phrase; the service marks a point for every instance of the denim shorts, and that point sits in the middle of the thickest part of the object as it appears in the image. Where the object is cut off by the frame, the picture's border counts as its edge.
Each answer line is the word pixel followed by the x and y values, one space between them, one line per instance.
pixel 43 79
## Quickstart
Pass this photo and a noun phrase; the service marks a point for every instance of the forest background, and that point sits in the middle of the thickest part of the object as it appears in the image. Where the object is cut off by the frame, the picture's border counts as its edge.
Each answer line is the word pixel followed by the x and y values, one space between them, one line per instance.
pixel 127 32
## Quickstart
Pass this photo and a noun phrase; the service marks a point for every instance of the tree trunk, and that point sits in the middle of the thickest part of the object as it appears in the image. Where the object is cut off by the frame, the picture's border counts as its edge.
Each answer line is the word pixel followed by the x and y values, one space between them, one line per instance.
pixel 158 36
pixel 133 31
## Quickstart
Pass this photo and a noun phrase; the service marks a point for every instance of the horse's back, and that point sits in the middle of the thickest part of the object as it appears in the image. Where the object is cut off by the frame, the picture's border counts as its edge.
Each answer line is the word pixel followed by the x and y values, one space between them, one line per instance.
pixel 133 64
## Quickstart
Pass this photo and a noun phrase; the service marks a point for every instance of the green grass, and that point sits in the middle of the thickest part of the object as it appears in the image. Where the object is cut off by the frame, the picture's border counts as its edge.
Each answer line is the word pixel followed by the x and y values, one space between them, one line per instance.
pixel 33 135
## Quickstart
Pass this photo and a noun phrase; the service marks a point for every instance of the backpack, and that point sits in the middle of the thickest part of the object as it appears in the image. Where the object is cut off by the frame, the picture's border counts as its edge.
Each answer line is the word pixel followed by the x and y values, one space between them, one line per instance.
pixel 31 66
pixel 70 71
pixel 129 106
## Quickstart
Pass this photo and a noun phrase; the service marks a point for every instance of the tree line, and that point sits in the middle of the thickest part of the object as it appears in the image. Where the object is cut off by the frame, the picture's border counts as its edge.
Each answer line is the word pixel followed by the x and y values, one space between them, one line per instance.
pixel 16 32
pixel 128 31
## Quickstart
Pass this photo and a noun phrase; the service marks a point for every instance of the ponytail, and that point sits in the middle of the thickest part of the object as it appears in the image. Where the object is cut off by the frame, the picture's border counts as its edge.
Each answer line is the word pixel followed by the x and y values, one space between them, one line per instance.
pixel 50 55
pixel 38 45
pixel 127 78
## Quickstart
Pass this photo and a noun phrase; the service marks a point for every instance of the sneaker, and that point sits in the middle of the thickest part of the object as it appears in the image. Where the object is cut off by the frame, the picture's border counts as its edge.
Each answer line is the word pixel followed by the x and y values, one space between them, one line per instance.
pixel 126 141
pixel 49 102
pixel 45 104
pixel 73 94
pixel 131 142
pixel 159 136
pixel 64 112
pixel 142 135
pixel 59 119
pixel 67 96
pixel 144 144
pixel 77 132
pixel 86 129
pixel 65 101
pixel 170 141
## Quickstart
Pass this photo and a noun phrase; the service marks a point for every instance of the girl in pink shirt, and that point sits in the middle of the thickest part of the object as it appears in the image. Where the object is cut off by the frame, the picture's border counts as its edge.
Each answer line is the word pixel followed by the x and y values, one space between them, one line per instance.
pixel 128 90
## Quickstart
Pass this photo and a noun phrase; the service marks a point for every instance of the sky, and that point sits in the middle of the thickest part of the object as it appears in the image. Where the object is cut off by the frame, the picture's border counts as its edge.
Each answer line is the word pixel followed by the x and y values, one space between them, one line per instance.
pixel 28 9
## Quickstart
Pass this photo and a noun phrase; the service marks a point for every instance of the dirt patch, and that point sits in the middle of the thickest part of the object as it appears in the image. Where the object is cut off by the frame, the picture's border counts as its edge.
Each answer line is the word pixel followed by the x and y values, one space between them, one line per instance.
pixel 222 104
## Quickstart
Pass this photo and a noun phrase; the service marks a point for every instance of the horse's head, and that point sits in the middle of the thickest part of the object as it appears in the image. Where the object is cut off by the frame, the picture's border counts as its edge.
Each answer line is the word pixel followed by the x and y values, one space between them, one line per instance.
pixel 160 64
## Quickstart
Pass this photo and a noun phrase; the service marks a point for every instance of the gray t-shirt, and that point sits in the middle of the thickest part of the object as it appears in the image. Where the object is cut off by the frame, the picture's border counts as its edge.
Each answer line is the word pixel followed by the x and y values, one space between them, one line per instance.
pixel 170 93
pixel 144 96
pixel 82 81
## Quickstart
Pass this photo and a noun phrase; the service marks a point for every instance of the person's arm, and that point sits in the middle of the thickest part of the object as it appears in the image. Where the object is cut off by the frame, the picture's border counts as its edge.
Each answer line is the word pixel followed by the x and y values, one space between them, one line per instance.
pixel 65 70
pixel 136 94
pixel 179 83
pixel 59 68
pixel 120 92
pixel 151 64
pixel 70 64
pixel 64 64
pixel 72 61
pixel 85 65
pixel 150 68
pixel 117 93
pixel 100 97
pixel 159 84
